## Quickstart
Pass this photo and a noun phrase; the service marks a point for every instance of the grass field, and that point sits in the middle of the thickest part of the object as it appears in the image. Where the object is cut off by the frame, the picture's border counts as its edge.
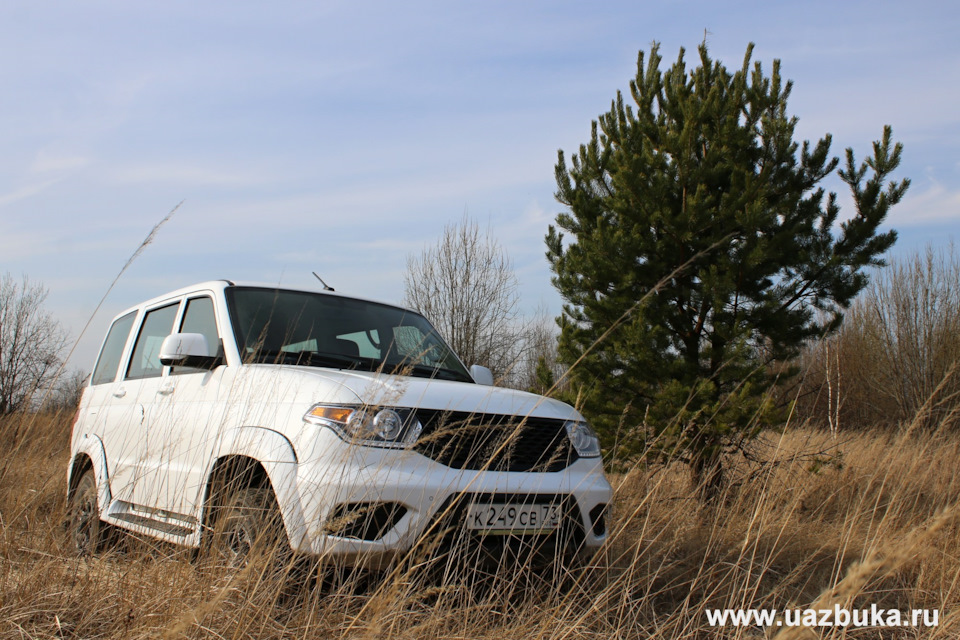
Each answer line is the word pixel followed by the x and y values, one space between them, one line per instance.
pixel 871 521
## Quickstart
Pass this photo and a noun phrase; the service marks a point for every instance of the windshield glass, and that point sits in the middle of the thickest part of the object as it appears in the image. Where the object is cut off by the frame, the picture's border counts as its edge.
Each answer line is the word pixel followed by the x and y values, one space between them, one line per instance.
pixel 314 329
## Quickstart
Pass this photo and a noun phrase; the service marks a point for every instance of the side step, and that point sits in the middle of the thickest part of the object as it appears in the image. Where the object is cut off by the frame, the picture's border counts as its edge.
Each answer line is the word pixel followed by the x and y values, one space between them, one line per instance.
pixel 158 519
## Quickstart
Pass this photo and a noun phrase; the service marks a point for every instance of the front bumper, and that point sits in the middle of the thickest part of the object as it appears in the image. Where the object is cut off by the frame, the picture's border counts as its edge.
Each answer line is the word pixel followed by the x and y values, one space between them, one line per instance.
pixel 412 498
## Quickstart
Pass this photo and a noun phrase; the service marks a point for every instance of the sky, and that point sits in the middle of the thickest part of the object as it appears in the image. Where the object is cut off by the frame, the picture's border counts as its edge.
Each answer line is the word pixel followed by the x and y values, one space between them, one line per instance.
pixel 342 137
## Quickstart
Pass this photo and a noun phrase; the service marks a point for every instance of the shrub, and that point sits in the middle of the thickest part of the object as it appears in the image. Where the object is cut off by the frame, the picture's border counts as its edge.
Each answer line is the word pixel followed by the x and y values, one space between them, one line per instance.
pixel 895 357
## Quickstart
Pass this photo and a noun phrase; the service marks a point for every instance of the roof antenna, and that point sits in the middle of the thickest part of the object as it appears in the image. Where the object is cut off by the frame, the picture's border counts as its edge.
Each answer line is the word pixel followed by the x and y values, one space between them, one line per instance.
pixel 326 287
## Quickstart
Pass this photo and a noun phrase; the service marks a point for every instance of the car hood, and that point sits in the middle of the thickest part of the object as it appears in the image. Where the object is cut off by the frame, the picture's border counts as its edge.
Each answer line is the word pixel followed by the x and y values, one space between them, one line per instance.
pixel 444 395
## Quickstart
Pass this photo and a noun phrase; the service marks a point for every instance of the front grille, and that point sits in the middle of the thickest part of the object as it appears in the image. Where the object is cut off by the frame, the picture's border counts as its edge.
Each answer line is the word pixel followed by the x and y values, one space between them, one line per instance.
pixel 494 442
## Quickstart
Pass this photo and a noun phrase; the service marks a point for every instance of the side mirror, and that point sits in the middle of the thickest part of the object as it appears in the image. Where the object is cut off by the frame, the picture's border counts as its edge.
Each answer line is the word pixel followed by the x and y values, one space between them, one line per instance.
pixel 481 375
pixel 187 350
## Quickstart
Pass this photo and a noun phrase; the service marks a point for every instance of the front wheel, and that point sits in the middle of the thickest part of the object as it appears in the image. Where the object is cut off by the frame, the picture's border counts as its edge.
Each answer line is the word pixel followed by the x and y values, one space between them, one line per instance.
pixel 87 531
pixel 248 526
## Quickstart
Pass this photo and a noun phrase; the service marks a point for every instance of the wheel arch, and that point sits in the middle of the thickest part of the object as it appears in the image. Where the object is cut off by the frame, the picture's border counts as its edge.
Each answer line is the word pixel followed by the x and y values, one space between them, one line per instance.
pixel 256 457
pixel 81 464
pixel 89 455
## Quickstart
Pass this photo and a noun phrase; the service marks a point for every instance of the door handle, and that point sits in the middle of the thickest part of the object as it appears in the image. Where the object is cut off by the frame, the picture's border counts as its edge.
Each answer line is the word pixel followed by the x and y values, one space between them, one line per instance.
pixel 165 391
pixel 119 393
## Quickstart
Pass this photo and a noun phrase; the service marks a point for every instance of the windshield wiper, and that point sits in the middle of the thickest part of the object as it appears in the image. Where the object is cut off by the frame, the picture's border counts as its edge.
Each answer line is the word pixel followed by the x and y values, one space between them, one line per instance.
pixel 311 358
pixel 343 361
pixel 429 371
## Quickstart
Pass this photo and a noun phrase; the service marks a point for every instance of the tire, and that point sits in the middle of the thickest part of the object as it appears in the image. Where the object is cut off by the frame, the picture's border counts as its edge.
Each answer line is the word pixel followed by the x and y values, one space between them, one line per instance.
pixel 248 526
pixel 87 531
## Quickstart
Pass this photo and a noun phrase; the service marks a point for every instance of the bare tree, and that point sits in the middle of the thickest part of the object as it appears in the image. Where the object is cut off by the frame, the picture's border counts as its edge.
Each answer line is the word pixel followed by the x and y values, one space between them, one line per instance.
pixel 31 343
pixel 466 287
pixel 65 396
pixel 898 351
pixel 538 369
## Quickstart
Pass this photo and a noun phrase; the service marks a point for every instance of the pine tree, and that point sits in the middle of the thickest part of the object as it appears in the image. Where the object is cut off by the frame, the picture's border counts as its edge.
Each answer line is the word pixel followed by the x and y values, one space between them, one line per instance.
pixel 699 253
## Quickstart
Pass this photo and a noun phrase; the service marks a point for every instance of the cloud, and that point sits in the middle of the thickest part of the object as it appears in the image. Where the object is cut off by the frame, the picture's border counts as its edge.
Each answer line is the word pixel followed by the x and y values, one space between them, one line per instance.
pixel 26 191
pixel 16 246
pixel 47 162
pixel 936 204
pixel 183 175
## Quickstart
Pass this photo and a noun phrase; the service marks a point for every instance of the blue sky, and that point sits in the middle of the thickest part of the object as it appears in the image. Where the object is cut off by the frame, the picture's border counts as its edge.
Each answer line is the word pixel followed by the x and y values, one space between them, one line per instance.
pixel 341 137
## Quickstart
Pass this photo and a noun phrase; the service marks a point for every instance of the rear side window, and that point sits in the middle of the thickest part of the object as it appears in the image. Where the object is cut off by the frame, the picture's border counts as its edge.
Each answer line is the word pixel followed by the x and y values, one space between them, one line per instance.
pixel 157 325
pixel 109 360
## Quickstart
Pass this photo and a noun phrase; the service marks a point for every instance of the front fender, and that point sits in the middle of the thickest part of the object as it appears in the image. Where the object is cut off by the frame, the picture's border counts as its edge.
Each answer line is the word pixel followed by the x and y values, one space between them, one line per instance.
pixel 277 456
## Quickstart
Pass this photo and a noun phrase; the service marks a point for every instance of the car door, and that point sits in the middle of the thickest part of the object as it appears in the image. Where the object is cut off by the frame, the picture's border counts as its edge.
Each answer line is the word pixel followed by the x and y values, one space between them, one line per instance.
pixel 145 378
pixel 186 417
pixel 111 407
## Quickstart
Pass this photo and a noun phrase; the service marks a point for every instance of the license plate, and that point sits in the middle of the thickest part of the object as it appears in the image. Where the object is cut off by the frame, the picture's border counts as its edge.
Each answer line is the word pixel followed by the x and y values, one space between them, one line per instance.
pixel 513 518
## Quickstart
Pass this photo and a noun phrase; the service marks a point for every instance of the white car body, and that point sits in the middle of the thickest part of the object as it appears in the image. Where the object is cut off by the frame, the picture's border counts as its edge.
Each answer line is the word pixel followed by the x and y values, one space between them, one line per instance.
pixel 153 439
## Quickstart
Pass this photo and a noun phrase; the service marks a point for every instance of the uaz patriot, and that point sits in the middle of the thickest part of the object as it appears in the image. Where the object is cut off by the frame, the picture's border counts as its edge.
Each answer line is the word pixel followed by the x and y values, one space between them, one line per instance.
pixel 345 428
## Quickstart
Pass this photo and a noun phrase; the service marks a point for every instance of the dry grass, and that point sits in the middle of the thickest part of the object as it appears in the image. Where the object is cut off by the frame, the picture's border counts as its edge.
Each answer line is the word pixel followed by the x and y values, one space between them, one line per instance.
pixel 880 528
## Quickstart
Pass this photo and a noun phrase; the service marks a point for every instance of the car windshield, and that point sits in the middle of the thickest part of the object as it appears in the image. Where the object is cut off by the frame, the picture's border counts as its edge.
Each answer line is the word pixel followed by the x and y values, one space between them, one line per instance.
pixel 315 329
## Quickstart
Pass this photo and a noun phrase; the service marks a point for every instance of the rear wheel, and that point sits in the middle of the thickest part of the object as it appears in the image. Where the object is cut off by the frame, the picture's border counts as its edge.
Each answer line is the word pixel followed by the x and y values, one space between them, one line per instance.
pixel 87 531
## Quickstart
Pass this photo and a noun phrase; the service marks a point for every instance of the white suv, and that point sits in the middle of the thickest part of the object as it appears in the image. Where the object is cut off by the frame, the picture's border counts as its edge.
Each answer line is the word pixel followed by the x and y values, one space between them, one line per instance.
pixel 350 422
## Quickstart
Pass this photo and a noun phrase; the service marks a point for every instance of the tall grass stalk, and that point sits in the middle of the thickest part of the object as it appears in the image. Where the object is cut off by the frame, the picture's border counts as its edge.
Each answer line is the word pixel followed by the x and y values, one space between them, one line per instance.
pixel 880 528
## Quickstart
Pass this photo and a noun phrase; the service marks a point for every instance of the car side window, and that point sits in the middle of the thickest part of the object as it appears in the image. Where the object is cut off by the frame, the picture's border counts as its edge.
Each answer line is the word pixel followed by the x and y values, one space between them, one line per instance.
pixel 411 343
pixel 157 325
pixel 109 361
pixel 199 317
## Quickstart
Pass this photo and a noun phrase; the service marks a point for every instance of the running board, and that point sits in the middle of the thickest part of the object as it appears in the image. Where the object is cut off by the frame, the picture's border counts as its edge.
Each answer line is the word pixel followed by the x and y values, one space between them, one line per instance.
pixel 158 519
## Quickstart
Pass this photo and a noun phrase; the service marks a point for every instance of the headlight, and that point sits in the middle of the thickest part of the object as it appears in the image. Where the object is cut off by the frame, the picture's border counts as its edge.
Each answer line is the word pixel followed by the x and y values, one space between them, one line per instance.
pixel 369 426
pixel 583 439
